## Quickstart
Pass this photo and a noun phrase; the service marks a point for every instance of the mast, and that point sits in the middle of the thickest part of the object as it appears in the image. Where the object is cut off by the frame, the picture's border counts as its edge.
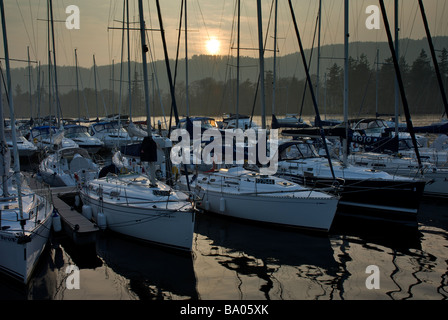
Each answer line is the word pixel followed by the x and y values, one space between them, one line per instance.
pixel 377 80
pixel 401 85
pixel 129 62
pixel 5 154
pixel 12 117
pixel 238 66
pixel 261 58
pixel 38 91
pixel 186 62
pixel 120 100
pixel 96 89
pixel 77 86
pixel 167 64
pixel 346 67
pixel 318 53
pixel 433 55
pixel 397 48
pixel 58 105
pixel 310 84
pixel 29 83
pixel 50 81
pixel 145 67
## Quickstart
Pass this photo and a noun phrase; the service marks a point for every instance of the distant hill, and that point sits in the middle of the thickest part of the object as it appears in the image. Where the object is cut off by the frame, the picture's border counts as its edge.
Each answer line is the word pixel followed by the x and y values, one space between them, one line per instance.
pixel 219 68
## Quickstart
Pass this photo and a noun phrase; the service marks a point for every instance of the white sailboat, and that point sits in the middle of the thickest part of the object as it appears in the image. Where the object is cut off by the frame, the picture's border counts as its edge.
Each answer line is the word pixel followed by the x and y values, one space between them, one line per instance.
pixel 137 205
pixel 437 178
pixel 50 138
pixel 80 135
pixel 25 226
pixel 25 216
pixel 63 167
pixel 391 196
pixel 25 148
pixel 111 133
pixel 239 193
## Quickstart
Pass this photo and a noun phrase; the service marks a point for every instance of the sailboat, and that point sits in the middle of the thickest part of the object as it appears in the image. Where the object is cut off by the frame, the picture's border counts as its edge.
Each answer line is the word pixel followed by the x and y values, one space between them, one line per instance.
pixel 61 168
pixel 239 193
pixel 136 204
pixel 80 135
pixel 380 194
pixel 25 216
pixel 26 148
pixel 437 178
pixel 244 194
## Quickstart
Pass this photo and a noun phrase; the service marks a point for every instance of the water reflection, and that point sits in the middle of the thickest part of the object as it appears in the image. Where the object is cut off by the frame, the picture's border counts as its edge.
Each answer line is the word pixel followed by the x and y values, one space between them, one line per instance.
pixel 412 261
pixel 247 261
pixel 232 259
pixel 153 273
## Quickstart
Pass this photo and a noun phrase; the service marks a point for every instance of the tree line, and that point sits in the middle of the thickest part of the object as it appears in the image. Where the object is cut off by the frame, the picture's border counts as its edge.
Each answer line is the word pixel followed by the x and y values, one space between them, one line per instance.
pixel 371 91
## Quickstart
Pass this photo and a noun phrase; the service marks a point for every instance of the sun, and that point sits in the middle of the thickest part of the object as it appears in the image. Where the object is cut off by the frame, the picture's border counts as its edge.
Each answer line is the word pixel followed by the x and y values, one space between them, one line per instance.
pixel 213 45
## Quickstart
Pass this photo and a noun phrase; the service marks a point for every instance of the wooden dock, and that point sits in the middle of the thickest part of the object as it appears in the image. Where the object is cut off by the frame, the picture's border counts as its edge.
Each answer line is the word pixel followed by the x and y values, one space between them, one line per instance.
pixel 81 230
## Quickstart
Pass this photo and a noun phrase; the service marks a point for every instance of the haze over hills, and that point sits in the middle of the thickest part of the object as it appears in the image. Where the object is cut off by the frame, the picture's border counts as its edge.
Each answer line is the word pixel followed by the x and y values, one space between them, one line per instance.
pixel 219 68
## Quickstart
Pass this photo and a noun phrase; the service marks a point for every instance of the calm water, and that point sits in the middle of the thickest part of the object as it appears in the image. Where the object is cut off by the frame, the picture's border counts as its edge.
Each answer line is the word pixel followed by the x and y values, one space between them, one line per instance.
pixel 240 261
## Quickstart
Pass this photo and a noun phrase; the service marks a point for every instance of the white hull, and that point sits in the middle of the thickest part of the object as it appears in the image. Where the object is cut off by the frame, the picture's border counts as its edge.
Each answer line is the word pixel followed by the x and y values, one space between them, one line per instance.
pixel 61 168
pixel 437 177
pixel 19 260
pixel 248 195
pixel 164 227
pixel 309 213
pixel 131 206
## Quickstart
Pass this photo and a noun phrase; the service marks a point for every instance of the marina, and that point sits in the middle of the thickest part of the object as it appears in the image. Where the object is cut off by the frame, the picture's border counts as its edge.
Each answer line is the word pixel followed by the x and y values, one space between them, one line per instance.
pixel 219 202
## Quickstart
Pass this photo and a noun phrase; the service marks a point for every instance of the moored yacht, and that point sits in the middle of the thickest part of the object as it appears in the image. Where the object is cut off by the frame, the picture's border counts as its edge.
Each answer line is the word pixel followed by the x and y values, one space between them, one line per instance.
pixel 61 168
pixel 239 193
pixel 367 191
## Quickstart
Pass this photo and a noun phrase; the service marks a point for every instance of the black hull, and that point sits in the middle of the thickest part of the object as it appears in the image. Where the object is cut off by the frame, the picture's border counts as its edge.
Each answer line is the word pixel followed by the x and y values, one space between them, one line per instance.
pixel 375 199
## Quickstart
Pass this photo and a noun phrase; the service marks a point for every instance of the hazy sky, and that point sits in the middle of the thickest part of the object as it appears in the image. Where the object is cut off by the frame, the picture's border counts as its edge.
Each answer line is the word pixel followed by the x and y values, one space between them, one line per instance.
pixel 206 19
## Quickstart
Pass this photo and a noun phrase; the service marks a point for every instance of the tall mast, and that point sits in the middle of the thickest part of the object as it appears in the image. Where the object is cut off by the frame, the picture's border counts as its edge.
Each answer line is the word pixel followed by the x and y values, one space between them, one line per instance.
pixel 58 105
pixel 29 82
pixel 129 62
pixel 318 52
pixel 4 152
pixel 145 67
pixel 238 66
pixel 397 53
pixel 186 62
pixel 12 116
pixel 261 58
pixel 38 91
pixel 77 86
pixel 400 85
pixel 310 85
pixel 346 66
pixel 96 88
pixel 275 57
pixel 433 55
pixel 167 64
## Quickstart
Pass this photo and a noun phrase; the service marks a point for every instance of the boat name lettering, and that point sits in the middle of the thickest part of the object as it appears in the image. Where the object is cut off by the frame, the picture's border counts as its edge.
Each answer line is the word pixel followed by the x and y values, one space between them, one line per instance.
pixel 6 238
pixel 265 181
pixel 364 139
pixel 161 193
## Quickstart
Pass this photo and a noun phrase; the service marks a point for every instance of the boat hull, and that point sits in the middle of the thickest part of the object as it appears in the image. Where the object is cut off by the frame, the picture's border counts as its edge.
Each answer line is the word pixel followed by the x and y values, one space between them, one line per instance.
pixel 171 228
pixel 307 213
pixel 22 258
pixel 383 199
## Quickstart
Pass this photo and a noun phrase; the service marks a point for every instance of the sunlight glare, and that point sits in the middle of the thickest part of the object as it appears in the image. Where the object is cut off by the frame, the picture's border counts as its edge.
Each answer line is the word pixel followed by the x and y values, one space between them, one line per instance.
pixel 213 46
